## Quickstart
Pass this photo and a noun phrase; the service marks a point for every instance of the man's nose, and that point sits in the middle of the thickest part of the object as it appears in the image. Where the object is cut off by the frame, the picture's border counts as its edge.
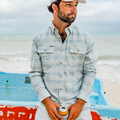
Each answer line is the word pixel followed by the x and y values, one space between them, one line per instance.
pixel 74 9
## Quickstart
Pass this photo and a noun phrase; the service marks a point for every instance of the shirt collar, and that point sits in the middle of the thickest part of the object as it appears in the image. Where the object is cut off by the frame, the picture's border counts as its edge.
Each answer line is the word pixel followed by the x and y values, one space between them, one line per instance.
pixel 53 28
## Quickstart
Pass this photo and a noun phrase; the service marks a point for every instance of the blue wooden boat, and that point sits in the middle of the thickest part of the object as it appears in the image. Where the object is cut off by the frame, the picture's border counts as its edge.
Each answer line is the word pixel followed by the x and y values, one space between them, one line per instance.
pixel 18 99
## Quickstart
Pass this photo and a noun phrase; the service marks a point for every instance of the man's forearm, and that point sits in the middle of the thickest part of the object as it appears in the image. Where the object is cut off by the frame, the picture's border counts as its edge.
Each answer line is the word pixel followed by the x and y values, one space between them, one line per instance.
pixel 39 86
pixel 36 73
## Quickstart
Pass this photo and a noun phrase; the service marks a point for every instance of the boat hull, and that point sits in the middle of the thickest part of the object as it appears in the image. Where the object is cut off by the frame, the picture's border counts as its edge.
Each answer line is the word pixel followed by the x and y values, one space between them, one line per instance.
pixel 17 92
pixel 10 112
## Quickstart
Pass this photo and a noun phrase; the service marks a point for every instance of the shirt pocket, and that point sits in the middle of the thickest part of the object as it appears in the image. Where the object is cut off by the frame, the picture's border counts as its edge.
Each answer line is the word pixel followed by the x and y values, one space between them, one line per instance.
pixel 47 56
pixel 78 55
pixel 45 52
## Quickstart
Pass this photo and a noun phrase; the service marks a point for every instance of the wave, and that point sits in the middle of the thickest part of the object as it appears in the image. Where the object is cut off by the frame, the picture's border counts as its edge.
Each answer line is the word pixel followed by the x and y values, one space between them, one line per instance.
pixel 18 59
pixel 7 54
pixel 109 70
pixel 109 62
pixel 14 58
pixel 11 53
pixel 100 56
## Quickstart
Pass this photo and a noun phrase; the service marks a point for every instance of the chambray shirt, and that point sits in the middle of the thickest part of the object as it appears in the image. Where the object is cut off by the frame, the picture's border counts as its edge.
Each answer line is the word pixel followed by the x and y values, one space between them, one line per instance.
pixel 63 71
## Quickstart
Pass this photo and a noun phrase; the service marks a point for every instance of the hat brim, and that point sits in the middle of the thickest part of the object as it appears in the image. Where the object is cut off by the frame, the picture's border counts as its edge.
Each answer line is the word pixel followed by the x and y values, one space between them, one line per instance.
pixel 80 1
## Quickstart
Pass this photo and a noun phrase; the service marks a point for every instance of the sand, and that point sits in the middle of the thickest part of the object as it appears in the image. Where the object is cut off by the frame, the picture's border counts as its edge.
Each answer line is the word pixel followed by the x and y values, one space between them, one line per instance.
pixel 112 90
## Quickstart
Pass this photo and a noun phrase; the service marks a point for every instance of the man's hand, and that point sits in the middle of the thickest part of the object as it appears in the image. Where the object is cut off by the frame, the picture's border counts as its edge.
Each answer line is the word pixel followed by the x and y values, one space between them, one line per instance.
pixel 75 109
pixel 52 109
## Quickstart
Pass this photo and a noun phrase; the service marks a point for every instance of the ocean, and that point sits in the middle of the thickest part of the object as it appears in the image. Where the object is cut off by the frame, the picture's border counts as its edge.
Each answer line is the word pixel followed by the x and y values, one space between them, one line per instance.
pixel 15 51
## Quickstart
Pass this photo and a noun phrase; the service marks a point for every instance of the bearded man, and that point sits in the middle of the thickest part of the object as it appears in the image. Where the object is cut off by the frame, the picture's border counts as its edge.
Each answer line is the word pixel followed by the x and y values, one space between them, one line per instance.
pixel 63 65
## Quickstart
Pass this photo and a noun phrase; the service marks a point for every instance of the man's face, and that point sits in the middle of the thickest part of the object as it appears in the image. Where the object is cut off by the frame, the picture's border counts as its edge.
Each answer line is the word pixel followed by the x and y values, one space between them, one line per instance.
pixel 67 11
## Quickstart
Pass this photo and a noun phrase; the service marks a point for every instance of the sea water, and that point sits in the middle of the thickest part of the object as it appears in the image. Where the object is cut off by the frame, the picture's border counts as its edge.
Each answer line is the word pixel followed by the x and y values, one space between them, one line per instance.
pixel 15 51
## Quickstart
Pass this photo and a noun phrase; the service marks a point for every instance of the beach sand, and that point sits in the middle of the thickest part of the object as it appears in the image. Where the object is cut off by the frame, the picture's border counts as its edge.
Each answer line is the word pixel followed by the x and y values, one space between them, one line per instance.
pixel 111 81
pixel 112 91
pixel 109 71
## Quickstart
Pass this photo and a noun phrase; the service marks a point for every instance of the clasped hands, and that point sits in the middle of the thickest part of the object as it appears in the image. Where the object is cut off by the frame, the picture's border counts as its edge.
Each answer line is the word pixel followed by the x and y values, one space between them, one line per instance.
pixel 75 109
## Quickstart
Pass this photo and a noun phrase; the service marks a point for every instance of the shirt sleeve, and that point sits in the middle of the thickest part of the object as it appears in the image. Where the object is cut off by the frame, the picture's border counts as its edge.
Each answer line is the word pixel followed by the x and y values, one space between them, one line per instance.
pixel 89 71
pixel 36 73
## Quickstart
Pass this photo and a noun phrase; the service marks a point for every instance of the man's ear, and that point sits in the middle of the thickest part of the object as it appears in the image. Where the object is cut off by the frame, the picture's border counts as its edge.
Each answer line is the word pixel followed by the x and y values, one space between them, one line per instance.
pixel 55 8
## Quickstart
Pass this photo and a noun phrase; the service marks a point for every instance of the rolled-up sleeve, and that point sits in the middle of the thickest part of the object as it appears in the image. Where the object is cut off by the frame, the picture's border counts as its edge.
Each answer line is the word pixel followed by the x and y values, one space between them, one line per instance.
pixel 89 71
pixel 36 73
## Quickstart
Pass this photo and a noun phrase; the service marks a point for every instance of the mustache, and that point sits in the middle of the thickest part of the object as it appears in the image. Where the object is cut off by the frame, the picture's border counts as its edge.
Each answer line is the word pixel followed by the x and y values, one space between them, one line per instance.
pixel 71 14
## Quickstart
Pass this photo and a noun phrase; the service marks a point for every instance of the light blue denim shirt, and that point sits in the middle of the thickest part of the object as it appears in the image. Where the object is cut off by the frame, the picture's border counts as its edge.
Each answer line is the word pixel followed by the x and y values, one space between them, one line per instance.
pixel 63 71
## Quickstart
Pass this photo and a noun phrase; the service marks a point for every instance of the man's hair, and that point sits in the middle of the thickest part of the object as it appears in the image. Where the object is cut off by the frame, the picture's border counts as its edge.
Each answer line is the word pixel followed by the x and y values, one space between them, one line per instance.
pixel 57 2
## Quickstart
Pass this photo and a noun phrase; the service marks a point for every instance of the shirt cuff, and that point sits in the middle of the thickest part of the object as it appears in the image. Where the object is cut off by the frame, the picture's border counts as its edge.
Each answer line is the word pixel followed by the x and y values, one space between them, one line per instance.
pixel 43 94
pixel 86 88
pixel 84 95
pixel 39 86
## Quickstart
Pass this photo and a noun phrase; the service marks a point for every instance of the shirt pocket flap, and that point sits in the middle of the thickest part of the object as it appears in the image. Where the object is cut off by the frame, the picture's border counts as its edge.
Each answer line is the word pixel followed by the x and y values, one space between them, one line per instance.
pixel 78 49
pixel 46 49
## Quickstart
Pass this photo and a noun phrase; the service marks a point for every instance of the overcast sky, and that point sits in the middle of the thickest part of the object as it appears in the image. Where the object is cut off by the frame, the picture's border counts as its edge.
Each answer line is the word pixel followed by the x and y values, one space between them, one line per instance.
pixel 31 16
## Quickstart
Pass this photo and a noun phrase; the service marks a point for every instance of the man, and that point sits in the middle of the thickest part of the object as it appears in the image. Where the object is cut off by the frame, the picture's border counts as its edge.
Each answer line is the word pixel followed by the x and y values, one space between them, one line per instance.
pixel 63 65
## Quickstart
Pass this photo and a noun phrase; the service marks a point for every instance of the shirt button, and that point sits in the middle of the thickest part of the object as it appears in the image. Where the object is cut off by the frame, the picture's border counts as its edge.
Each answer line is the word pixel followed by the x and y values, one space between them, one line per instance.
pixel 45 50
pixel 78 50
pixel 60 89
pixel 61 50
pixel 59 38
pixel 60 62
pixel 60 75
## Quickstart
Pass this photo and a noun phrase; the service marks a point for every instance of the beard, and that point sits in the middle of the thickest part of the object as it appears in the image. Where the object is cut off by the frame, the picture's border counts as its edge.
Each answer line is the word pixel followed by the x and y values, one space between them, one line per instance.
pixel 65 18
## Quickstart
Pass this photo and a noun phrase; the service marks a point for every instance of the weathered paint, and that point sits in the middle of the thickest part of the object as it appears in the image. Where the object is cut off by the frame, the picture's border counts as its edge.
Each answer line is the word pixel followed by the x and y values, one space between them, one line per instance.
pixel 8 112
pixel 96 116
pixel 107 111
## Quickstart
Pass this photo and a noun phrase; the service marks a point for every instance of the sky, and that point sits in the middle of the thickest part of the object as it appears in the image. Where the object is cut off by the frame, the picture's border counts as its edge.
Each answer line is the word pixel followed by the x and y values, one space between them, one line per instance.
pixel 32 16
